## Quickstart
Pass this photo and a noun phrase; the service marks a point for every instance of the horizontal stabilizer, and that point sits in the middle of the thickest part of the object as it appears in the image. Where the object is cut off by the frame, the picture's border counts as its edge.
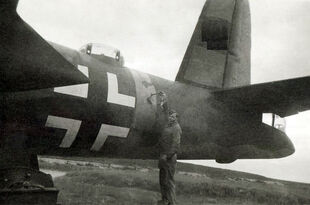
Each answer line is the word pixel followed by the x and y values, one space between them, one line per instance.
pixel 284 98
pixel 27 61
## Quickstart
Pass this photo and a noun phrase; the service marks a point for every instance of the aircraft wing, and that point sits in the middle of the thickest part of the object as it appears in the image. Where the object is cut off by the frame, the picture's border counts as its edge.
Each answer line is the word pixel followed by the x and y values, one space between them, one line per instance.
pixel 27 61
pixel 284 98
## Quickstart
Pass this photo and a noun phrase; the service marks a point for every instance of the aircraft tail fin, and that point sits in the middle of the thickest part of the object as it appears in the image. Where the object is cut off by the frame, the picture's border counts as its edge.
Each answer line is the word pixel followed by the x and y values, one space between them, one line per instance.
pixel 27 61
pixel 218 55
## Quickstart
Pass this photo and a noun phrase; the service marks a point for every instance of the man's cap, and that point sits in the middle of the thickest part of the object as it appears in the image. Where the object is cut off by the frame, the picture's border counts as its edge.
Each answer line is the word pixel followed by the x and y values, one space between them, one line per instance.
pixel 161 93
pixel 172 111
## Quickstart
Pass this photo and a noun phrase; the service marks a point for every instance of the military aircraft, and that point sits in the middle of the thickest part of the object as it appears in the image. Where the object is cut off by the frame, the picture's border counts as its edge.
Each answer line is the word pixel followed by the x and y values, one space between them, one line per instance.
pixel 60 101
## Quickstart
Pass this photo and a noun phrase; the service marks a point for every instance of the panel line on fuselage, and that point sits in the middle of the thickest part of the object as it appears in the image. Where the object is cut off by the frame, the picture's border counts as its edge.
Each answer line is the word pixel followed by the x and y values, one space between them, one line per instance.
pixel 145 111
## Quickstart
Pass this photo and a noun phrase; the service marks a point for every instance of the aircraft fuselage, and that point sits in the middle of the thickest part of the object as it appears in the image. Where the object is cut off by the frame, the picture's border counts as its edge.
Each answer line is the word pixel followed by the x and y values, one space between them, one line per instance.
pixel 111 116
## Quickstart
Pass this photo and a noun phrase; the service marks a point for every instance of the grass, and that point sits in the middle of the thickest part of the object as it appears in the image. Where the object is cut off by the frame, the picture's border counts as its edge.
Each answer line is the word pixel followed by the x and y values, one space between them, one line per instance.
pixel 136 182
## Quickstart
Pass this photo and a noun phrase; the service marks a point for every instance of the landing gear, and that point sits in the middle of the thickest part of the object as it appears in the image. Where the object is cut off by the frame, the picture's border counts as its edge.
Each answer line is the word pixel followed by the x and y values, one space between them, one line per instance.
pixel 26 184
pixel 21 182
pixel 21 185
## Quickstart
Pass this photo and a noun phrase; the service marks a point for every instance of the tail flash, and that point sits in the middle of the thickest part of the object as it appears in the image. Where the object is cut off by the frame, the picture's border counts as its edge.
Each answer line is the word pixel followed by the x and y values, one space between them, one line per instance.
pixel 218 55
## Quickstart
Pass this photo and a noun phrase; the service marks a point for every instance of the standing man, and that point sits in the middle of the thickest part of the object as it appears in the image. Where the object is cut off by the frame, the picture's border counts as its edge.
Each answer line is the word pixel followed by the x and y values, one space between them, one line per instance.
pixel 169 145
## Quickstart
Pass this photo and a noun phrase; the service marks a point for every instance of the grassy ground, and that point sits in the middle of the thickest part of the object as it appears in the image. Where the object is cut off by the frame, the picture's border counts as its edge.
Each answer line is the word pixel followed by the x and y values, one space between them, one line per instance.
pixel 115 181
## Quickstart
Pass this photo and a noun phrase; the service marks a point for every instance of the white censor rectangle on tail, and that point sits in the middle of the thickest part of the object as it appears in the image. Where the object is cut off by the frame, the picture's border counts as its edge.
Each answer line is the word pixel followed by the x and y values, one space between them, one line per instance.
pixel 72 126
pixel 108 130
pixel 80 90
pixel 114 96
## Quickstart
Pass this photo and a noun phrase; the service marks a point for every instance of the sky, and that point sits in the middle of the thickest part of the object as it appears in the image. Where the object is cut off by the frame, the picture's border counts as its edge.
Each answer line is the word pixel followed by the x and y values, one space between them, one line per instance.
pixel 153 37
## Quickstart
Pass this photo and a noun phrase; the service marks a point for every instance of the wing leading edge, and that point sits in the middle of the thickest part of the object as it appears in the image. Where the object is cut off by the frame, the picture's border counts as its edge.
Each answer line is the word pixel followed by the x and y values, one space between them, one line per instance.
pixel 27 61
pixel 284 98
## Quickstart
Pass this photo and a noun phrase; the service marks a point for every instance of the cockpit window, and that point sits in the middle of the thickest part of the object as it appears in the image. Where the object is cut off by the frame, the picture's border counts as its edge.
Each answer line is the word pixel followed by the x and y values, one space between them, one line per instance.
pixel 83 49
pixel 99 50
pixel 274 121
pixel 89 49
